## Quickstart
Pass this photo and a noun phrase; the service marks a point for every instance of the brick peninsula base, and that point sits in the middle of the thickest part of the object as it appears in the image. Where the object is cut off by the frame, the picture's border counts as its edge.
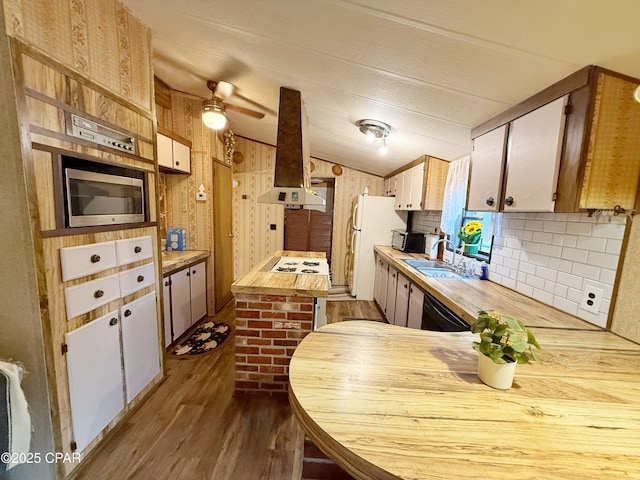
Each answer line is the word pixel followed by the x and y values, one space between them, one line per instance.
pixel 268 330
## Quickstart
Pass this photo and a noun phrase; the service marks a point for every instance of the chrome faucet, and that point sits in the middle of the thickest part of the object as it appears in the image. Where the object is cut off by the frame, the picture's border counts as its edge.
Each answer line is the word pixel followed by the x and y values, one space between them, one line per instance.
pixel 453 248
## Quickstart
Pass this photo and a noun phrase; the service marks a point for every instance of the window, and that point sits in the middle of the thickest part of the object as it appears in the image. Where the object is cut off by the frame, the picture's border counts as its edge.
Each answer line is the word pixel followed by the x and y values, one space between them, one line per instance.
pixel 486 242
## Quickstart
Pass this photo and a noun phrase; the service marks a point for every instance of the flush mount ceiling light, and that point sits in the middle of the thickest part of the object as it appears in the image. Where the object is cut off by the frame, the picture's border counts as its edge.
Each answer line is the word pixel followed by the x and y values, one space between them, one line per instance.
pixel 213 114
pixel 374 129
pixel 636 94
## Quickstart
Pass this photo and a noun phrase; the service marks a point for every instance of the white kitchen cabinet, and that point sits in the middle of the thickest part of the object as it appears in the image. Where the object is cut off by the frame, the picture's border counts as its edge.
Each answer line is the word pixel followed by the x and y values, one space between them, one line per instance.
pixel 380 284
pixel 83 260
pixel 137 278
pixel 409 188
pixel 187 298
pixel 173 155
pixel 87 296
pixel 390 186
pixel 487 160
pixel 416 300
pixel 402 301
pixel 166 295
pixel 95 377
pixel 140 352
pixel 131 250
pixel 392 284
pixel 533 158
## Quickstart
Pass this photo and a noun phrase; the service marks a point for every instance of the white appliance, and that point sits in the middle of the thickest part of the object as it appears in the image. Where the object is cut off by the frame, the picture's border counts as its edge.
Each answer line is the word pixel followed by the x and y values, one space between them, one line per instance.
pixel 307 266
pixel 372 221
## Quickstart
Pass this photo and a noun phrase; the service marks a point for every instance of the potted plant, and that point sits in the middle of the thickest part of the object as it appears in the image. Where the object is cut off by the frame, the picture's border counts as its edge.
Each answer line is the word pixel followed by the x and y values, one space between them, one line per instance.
pixel 504 342
pixel 471 235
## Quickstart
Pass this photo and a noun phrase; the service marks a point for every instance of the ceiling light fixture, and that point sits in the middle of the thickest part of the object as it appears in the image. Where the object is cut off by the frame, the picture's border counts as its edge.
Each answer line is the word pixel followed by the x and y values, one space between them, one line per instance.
pixel 636 94
pixel 374 129
pixel 213 114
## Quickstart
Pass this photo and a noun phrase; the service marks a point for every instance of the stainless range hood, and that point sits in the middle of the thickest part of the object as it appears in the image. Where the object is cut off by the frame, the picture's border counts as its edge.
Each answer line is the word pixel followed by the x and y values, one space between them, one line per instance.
pixel 292 154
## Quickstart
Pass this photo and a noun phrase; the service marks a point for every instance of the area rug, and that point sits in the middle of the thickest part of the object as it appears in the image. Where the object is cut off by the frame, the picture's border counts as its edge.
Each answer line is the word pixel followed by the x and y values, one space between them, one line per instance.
pixel 205 338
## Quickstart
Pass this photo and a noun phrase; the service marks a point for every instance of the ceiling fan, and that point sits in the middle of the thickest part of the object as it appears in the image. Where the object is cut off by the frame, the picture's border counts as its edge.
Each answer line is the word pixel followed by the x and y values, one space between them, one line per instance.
pixel 213 110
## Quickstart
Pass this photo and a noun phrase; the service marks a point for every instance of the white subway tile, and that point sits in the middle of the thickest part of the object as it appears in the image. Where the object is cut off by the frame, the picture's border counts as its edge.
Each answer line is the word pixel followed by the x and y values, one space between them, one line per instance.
pixel 551 250
pixel 561 290
pixel 512 243
pixel 565 240
pixel 535 225
pixel 516 223
pixel 495 277
pixel 524 289
pixel 527 235
pixel 574 254
pixel 575 295
pixel 511 263
pixel 531 247
pixel 584 229
pixel 542 296
pixel 565 305
pixel 509 283
pixel 608 276
pixel 549 286
pixel 527 267
pixel 569 280
pixel 597 319
pixel 504 271
pixel 614 246
pixel 546 273
pixel 584 217
pixel 605 260
pixel 586 271
pixel 521 277
pixel 609 230
pixel 538 259
pixel 596 244
pixel 496 260
pixel 542 237
pixel 565 266
pixel 514 274
pixel 534 281
pixel 555 227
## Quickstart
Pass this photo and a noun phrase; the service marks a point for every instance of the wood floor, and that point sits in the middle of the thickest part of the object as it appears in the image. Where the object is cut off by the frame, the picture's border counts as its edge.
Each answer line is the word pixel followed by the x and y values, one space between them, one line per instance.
pixel 193 427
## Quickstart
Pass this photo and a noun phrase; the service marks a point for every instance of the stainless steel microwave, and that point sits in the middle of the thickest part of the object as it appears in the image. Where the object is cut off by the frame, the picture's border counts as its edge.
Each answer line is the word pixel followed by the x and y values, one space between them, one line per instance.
pixel 111 196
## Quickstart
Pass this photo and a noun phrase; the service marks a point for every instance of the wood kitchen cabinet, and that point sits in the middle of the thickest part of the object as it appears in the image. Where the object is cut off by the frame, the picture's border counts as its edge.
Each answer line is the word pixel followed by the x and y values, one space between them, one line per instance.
pixel 582 157
pixel 185 300
pixel 420 185
pixel 174 153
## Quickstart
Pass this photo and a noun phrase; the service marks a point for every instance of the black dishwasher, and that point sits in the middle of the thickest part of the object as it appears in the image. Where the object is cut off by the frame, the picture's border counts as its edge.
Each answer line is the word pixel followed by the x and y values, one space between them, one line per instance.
pixel 436 316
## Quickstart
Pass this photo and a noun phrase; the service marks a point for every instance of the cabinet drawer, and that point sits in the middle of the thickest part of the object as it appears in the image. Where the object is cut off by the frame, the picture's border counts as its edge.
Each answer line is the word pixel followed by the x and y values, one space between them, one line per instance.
pixel 85 260
pixel 136 278
pixel 90 295
pixel 133 249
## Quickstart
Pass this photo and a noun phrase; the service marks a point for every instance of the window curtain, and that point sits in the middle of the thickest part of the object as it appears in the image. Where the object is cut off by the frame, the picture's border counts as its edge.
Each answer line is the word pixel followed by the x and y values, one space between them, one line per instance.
pixel 455 195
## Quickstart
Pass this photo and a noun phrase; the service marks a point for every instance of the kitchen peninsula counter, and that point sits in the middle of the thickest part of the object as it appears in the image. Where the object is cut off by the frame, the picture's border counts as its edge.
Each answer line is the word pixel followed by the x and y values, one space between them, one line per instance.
pixel 260 280
pixel 466 296
pixel 388 402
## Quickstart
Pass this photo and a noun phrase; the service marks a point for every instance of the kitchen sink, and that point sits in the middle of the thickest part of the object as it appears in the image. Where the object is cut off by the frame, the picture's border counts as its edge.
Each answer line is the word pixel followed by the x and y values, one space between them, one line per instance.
pixel 415 263
pixel 431 268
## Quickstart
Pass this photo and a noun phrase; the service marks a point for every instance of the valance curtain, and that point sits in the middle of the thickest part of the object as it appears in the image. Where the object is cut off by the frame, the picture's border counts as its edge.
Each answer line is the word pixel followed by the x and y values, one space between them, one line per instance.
pixel 455 195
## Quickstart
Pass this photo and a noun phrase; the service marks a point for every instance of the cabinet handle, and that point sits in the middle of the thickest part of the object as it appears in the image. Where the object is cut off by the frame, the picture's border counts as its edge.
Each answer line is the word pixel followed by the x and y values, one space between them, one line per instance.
pixel 137 249
pixel 188 273
pixel 405 285
pixel 177 163
pixel 140 278
pixel 490 201
pixel 166 283
pixel 113 321
pixel 95 258
pixel 127 313
pixel 508 201
pixel 98 293
pixel 193 271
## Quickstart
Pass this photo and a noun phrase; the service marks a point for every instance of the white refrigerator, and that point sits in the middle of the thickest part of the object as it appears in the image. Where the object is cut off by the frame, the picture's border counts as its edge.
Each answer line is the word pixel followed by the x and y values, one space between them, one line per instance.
pixel 372 221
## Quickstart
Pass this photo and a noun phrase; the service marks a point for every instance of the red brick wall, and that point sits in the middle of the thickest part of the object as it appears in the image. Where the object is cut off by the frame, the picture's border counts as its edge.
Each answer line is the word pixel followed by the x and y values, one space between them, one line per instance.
pixel 268 330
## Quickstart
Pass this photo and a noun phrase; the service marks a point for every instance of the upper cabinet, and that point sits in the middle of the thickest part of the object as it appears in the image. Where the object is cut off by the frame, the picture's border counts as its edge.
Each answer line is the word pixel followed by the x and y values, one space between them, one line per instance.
pixel 174 153
pixel 573 146
pixel 420 185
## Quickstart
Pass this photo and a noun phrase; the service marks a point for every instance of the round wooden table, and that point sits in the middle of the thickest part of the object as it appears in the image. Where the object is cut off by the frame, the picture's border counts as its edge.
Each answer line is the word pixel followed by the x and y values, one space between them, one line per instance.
pixel 388 402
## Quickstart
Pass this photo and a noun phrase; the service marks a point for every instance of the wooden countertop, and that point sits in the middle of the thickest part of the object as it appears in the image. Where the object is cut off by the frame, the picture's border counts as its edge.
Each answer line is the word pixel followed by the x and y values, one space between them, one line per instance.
pixel 260 280
pixel 174 260
pixel 388 402
pixel 466 296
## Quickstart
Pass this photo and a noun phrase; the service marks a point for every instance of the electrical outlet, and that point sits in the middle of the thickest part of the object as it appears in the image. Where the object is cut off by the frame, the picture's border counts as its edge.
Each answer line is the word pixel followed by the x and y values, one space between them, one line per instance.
pixel 591 299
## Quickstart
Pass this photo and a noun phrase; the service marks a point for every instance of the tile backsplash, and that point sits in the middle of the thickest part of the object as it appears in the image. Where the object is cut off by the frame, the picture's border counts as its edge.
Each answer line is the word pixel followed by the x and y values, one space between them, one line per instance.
pixel 554 257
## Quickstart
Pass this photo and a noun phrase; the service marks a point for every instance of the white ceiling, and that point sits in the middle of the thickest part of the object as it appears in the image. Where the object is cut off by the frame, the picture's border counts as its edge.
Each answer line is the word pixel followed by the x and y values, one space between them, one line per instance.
pixel 432 69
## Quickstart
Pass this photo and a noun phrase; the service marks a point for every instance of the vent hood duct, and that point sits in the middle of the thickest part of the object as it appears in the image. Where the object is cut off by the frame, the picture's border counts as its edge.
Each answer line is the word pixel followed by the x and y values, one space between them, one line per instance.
pixel 292 154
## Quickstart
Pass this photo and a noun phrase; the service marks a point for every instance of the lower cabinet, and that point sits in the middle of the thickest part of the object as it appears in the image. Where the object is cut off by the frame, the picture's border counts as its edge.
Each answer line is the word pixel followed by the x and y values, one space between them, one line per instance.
pixel 95 361
pixel 380 284
pixel 416 301
pixel 392 285
pixel 402 301
pixel 185 300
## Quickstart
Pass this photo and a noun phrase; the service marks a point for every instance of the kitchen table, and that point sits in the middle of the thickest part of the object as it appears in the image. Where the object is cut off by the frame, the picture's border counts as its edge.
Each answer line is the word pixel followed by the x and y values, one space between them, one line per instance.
pixel 388 402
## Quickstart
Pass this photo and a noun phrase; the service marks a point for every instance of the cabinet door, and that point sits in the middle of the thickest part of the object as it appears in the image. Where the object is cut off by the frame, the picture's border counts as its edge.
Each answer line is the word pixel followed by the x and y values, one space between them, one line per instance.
pixel 401 192
pixel 487 159
pixel 181 157
pixel 416 299
pixel 198 283
pixel 417 180
pixel 95 377
pixel 381 279
pixel 402 301
pixel 533 159
pixel 140 344
pixel 180 302
pixel 387 187
pixel 392 283
pixel 77 262
pixel 435 179
pixel 165 151
pixel 166 310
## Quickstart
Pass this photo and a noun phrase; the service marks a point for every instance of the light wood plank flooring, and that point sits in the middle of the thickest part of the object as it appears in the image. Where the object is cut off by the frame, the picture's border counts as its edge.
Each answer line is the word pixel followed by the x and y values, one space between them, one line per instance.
pixel 193 427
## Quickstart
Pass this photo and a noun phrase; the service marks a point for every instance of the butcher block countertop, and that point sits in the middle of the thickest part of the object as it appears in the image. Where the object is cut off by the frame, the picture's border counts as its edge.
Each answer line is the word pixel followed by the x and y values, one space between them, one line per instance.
pixel 174 260
pixel 388 402
pixel 260 280
pixel 466 296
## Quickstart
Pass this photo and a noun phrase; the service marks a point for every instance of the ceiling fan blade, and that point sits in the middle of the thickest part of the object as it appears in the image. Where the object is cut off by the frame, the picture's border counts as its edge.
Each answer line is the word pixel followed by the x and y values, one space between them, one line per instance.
pixel 244 111
pixel 223 90
pixel 255 104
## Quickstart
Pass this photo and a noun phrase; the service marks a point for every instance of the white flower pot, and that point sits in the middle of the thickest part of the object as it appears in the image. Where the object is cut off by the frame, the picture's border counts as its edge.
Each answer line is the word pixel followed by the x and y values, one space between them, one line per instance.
pixel 496 375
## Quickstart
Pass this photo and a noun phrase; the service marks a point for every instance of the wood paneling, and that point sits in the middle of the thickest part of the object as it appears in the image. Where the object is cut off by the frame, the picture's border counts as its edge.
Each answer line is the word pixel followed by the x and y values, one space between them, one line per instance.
pixel 434 183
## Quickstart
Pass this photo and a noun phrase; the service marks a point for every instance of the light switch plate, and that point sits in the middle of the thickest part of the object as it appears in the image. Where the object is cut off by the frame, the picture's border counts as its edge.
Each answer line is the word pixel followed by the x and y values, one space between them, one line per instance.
pixel 591 299
pixel 201 196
